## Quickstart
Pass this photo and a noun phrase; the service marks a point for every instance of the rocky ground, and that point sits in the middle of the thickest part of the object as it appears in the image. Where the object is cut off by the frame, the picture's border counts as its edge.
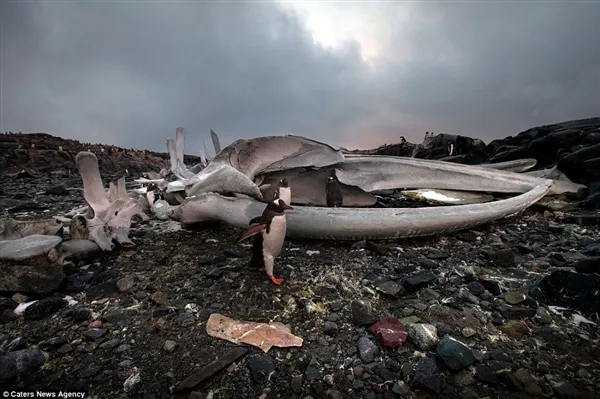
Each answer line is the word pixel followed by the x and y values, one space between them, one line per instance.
pixel 476 314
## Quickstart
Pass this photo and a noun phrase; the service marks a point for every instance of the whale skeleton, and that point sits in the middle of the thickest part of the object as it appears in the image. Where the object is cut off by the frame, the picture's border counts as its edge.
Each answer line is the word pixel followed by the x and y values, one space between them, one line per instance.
pixel 234 185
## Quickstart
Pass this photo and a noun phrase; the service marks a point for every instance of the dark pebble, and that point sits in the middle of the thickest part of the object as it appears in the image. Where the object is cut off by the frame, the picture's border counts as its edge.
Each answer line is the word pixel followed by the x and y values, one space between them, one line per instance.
pixel 330 328
pixel 485 374
pixel 428 376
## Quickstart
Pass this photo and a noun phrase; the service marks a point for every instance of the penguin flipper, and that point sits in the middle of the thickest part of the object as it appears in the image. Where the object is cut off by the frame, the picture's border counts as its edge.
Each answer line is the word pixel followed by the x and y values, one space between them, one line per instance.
pixel 258 219
pixel 250 232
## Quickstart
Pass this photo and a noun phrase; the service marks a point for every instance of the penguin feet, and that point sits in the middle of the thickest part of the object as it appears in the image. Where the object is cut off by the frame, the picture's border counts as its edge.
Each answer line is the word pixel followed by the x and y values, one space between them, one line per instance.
pixel 276 281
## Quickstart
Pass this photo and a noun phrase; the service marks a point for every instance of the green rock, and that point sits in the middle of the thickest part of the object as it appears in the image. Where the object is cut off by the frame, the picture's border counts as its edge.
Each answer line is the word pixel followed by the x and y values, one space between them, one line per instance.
pixel 410 320
pixel 401 388
pixel 514 297
pixel 455 354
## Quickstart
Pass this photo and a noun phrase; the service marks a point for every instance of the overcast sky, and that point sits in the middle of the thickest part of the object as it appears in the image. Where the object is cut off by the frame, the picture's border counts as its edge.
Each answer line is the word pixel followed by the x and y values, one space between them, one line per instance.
pixel 354 74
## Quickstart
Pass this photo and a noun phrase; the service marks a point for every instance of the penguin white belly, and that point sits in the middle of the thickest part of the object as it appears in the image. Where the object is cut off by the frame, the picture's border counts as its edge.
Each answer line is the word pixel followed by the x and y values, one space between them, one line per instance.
pixel 273 242
pixel 285 193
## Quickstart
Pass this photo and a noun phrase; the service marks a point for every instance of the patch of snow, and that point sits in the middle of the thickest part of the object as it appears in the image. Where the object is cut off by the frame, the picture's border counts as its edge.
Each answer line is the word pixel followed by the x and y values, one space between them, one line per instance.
pixel 578 319
pixel 557 309
pixel 70 300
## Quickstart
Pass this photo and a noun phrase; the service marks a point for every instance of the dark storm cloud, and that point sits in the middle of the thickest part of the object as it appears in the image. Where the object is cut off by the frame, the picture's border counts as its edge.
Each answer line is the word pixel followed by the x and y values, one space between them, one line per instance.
pixel 129 73
pixel 493 68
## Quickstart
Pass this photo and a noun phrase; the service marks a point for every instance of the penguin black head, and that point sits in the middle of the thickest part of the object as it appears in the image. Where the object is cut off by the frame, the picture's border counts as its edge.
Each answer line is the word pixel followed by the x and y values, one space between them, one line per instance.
pixel 275 208
pixel 331 179
pixel 281 205
pixel 284 182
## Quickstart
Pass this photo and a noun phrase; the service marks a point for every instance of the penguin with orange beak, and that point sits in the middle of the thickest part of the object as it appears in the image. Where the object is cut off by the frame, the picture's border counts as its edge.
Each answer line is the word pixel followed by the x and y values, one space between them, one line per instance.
pixel 270 236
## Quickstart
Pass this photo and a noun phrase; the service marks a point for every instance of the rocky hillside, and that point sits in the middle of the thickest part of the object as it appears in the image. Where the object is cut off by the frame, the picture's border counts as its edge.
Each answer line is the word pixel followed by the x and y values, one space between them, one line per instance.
pixel 41 153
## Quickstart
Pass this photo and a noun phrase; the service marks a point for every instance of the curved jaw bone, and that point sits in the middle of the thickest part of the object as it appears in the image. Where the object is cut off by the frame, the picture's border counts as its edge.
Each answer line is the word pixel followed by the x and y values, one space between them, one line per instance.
pixel 358 223
pixel 375 172
pixel 109 214
pixel 364 174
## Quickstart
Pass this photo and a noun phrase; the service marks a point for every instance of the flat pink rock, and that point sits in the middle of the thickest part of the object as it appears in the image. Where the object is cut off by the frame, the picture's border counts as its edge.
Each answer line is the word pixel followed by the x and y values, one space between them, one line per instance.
pixel 261 335
pixel 390 332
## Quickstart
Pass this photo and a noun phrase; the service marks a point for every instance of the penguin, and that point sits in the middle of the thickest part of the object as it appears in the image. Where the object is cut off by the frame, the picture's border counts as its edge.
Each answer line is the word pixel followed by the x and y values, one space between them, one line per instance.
pixel 333 192
pixel 270 231
pixel 283 191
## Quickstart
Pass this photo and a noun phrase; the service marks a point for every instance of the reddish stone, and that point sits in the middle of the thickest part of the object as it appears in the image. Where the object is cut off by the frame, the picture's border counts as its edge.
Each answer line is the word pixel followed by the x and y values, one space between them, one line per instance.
pixel 95 324
pixel 390 332
pixel 378 388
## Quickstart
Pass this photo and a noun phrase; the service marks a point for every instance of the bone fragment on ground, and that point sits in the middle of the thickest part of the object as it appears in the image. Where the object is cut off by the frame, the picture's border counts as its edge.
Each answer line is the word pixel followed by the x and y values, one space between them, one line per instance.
pixel 11 229
pixel 119 191
pixel 28 247
pixel 107 220
pixel 261 335
pixel 160 208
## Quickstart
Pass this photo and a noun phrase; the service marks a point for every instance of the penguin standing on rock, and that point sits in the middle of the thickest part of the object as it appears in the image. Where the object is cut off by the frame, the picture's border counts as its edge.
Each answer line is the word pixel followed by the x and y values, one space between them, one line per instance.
pixel 270 232
pixel 333 192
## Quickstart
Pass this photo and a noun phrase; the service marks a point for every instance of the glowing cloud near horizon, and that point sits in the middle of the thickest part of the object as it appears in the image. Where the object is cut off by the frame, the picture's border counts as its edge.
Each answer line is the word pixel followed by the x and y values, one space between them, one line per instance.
pixel 334 24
